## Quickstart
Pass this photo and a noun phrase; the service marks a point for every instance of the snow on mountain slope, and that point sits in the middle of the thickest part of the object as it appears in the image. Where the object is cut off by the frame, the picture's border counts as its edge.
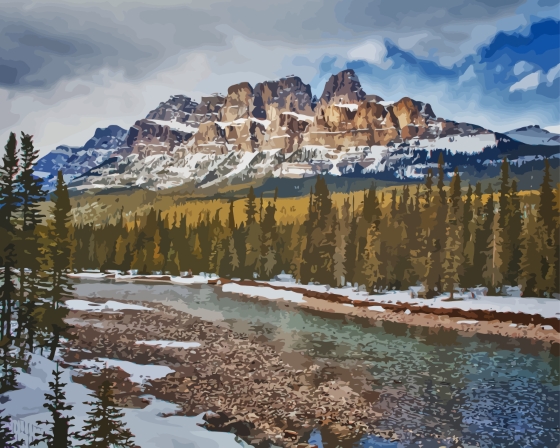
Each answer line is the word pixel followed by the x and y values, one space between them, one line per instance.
pixel 74 161
pixel 534 135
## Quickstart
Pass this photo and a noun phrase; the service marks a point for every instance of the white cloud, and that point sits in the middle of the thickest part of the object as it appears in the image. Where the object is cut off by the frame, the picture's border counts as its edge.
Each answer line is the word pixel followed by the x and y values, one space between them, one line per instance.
pixel 409 42
pixel 532 81
pixel 371 51
pixel 552 74
pixel 555 129
pixel 522 67
pixel 529 82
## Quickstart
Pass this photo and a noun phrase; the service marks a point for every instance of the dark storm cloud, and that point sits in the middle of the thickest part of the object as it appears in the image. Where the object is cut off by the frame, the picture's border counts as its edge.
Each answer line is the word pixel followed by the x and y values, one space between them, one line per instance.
pixel 42 44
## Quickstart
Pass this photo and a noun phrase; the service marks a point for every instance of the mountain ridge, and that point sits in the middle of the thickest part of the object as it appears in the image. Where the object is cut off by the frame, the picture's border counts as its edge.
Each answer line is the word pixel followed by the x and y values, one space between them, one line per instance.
pixel 280 129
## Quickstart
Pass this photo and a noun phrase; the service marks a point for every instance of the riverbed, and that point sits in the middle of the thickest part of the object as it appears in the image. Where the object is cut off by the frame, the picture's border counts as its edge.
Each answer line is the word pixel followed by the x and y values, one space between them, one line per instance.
pixel 432 387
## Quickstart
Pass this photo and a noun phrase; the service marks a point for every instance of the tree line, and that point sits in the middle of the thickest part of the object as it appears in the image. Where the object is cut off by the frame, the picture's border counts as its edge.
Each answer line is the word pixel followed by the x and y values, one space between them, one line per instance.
pixel 432 234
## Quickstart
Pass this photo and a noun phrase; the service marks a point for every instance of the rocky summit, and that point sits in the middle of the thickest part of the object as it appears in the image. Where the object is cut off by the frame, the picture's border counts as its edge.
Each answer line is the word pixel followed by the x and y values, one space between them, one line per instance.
pixel 280 129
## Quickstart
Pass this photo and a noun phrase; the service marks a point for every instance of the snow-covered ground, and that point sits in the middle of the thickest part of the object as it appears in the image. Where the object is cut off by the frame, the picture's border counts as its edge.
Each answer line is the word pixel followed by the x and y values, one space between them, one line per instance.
pixel 170 344
pixel 138 373
pixel 110 305
pixel 527 305
pixel 264 292
pixel 202 278
pixel 547 308
pixel 151 430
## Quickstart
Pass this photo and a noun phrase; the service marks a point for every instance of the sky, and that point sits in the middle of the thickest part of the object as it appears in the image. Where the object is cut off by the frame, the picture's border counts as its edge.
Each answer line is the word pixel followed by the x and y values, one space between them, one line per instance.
pixel 67 68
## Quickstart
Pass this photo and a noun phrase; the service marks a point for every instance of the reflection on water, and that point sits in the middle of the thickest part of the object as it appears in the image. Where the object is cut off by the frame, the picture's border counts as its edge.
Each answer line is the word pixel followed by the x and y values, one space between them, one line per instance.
pixel 432 387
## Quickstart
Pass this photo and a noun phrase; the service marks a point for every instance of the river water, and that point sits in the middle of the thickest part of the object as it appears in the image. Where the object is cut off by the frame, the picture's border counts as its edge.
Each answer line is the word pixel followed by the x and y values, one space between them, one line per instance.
pixel 433 387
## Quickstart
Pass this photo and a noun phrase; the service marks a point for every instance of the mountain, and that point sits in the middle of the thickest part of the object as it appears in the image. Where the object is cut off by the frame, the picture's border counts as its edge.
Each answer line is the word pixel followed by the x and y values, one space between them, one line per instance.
pixel 534 135
pixel 74 161
pixel 280 130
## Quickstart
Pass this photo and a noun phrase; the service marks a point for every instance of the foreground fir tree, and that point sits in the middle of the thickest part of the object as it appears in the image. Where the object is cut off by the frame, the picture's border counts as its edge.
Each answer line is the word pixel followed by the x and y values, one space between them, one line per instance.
pixel 7 437
pixel 8 362
pixel 58 435
pixel 8 209
pixel 30 258
pixel 60 255
pixel 104 427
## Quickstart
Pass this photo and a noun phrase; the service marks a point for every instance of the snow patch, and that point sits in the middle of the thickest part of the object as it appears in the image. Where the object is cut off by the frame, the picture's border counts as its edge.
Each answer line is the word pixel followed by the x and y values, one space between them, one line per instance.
pixel 264 292
pixel 377 308
pixel 174 344
pixel 83 305
pixel 139 373
pixel 150 428
pixel 350 107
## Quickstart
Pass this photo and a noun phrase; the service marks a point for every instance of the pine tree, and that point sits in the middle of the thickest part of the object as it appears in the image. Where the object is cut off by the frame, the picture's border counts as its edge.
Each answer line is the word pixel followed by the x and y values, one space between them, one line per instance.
pixel 231 217
pixel 532 280
pixel 7 437
pixel 453 253
pixel 58 435
pixel 514 231
pixel 492 256
pixel 504 218
pixel 28 247
pixel 437 232
pixel 8 210
pixel 8 373
pixel 251 209
pixel 29 186
pixel 60 254
pixel 8 184
pixel 269 236
pixel 545 210
pixel 547 216
pixel 104 427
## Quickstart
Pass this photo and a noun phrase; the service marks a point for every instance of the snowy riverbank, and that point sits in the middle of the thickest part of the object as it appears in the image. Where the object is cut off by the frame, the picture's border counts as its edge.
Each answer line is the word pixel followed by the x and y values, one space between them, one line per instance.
pixel 511 316
pixel 151 429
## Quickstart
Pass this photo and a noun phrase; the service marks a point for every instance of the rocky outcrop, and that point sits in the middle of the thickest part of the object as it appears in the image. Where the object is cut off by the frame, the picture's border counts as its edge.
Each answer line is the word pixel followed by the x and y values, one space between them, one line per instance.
pixel 343 87
pixel 166 127
pixel 178 108
pixel 272 98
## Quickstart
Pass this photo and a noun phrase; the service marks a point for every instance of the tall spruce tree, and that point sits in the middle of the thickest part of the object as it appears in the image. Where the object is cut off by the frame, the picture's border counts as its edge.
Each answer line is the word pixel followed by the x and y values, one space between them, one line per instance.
pixel 29 250
pixel 60 254
pixel 8 210
pixel 57 435
pixel 9 200
pixel 251 208
pixel 104 427
pixel 453 253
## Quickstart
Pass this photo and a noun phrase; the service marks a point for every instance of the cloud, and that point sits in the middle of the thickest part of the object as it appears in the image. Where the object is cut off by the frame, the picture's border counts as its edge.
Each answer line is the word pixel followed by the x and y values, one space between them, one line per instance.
pixel 529 82
pixel 536 79
pixel 68 66
pixel 371 51
pixel 522 67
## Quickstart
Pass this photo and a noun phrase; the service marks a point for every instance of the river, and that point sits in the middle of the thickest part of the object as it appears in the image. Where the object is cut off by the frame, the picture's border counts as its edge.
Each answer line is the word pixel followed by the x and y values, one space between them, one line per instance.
pixel 433 387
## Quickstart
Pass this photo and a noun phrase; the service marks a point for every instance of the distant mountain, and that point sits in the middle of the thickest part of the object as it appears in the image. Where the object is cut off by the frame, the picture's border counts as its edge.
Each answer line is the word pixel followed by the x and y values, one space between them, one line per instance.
pixel 75 161
pixel 280 130
pixel 534 135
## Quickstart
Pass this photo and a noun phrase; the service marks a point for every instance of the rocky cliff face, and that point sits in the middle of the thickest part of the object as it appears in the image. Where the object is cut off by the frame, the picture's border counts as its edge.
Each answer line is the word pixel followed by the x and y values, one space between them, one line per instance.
pixel 164 128
pixel 278 128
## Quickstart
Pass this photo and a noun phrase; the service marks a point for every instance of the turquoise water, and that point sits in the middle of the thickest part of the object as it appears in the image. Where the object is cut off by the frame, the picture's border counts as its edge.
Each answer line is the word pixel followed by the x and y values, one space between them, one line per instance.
pixel 433 388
